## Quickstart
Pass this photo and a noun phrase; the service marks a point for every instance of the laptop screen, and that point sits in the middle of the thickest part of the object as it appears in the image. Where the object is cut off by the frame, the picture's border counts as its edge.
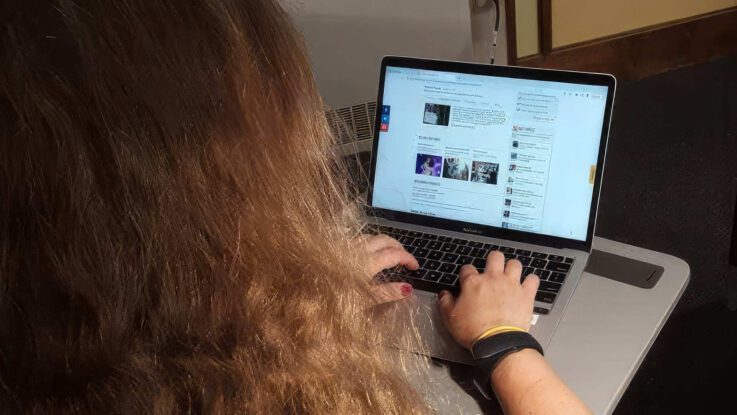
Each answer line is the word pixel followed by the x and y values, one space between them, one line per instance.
pixel 511 153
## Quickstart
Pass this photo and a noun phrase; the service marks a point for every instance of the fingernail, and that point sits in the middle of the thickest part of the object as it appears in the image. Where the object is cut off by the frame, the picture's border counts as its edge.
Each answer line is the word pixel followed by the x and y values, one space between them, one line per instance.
pixel 406 290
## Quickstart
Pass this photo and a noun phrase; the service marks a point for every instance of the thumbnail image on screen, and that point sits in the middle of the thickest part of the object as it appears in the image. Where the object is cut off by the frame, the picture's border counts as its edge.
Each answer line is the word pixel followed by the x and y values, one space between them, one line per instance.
pixel 428 165
pixel 436 114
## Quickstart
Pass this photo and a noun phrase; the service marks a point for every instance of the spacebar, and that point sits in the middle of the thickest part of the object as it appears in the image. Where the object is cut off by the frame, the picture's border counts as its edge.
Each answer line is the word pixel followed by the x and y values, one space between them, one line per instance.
pixel 431 286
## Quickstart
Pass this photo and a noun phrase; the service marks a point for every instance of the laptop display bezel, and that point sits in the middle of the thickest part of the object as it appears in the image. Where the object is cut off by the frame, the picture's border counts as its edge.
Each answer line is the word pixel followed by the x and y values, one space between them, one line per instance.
pixel 583 78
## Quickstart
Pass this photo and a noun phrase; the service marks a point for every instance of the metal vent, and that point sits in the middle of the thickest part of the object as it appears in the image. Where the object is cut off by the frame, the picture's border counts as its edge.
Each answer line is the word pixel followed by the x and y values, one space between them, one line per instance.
pixel 354 123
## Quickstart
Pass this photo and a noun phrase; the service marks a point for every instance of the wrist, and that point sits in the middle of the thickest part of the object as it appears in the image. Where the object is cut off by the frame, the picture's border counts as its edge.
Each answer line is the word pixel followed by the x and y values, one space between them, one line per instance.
pixel 490 352
pixel 512 362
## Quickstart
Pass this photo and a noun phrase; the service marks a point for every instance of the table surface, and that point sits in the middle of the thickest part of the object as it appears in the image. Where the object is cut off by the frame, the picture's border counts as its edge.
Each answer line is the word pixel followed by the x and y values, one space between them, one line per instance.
pixel 605 333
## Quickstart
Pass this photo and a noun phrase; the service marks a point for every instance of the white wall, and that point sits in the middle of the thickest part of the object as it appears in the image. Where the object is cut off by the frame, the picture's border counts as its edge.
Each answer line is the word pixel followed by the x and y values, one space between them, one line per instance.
pixel 347 38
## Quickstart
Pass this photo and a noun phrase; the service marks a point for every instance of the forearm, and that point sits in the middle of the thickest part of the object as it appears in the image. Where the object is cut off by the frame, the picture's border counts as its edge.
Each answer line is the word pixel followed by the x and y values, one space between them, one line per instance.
pixel 526 384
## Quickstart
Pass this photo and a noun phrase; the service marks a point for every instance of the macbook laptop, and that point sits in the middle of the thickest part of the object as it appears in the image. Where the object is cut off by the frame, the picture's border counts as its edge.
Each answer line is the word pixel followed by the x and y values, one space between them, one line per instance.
pixel 469 158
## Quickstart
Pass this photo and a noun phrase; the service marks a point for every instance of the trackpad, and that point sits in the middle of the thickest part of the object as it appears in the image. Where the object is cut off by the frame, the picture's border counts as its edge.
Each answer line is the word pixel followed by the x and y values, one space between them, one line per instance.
pixel 417 327
pixel 430 324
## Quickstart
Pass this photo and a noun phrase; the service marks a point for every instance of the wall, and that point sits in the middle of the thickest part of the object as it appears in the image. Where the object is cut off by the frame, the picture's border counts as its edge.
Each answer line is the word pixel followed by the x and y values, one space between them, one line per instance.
pixel 575 21
pixel 347 39
pixel 526 19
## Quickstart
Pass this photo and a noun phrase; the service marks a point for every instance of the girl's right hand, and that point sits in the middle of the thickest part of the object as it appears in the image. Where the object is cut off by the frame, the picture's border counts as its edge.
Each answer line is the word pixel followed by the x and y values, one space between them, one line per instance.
pixel 489 299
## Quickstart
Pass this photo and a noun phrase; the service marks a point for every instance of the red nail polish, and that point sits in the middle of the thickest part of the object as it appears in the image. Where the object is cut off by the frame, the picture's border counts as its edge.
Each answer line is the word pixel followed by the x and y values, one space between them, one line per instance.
pixel 406 290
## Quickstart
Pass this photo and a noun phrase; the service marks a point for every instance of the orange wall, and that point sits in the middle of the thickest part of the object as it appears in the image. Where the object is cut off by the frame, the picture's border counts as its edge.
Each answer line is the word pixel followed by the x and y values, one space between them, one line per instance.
pixel 576 21
pixel 526 20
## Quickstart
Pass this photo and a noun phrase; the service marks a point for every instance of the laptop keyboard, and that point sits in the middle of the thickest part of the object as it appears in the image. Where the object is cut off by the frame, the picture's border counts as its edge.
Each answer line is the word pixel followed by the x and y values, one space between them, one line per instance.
pixel 441 258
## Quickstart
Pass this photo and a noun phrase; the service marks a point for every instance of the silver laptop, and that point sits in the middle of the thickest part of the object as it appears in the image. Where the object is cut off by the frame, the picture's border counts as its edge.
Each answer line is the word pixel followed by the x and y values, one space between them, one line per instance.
pixel 469 158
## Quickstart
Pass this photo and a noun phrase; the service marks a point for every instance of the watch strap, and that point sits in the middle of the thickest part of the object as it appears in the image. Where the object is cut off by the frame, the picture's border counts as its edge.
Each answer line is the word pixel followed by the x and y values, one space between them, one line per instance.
pixel 488 352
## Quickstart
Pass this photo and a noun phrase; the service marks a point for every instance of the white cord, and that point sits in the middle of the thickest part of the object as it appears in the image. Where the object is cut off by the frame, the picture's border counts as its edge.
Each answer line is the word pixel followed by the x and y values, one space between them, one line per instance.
pixel 495 30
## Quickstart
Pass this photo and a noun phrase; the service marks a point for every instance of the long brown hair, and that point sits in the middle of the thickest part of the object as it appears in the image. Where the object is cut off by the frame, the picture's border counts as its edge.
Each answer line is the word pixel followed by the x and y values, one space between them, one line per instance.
pixel 173 234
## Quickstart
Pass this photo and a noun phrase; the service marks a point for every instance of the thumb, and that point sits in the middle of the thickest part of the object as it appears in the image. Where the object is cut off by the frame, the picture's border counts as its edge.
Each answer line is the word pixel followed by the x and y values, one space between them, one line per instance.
pixel 446 303
pixel 391 291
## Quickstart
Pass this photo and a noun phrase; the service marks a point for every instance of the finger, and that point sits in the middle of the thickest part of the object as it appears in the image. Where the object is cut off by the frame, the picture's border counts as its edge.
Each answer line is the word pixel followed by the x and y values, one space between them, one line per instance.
pixel 391 257
pixel 514 269
pixel 495 262
pixel 446 303
pixel 377 242
pixel 466 272
pixel 530 285
pixel 392 291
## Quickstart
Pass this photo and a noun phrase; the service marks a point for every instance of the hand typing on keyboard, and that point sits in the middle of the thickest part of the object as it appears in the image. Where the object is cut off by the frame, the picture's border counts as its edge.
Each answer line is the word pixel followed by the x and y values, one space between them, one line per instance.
pixel 384 253
pixel 492 298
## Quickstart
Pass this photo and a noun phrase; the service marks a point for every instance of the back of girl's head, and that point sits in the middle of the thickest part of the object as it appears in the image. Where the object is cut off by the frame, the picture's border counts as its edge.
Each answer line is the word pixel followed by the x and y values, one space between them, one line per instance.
pixel 173 237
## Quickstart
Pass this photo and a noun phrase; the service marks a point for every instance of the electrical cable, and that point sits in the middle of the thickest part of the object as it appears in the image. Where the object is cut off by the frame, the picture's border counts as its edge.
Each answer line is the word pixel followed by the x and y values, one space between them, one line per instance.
pixel 495 32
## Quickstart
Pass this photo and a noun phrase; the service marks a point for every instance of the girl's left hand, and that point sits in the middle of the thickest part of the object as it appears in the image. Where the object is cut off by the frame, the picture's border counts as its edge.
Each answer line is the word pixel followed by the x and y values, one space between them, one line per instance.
pixel 383 253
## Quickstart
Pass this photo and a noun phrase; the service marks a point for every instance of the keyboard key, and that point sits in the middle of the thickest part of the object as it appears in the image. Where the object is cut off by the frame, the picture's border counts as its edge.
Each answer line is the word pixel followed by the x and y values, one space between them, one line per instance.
pixel 421 253
pixel 410 249
pixel 436 255
pixel 401 231
pixel 474 244
pixel 545 297
pixel 385 229
pixel 558 277
pixel 418 273
pixel 538 263
pixel 450 258
pixel 558 266
pixel 447 268
pixel 448 279
pixel 406 240
pixel 556 258
pixel 539 255
pixel 448 247
pixel 371 228
pixel 464 260
pixel 510 256
pixel 491 247
pixel 420 243
pixel 433 276
pixel 479 263
pixel 540 310
pixel 444 238
pixel 414 234
pixel 544 274
pixel 459 241
pixel 464 250
pixel 421 261
pixel 432 265
pixel 433 245
pixel 429 236
pixel 525 260
pixel 528 270
pixel 549 287
pixel 479 253
pixel 568 260
pixel 522 252
pixel 506 249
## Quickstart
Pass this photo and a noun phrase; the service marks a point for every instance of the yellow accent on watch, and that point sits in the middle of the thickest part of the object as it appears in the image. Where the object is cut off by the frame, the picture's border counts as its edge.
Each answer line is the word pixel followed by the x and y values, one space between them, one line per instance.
pixel 496 330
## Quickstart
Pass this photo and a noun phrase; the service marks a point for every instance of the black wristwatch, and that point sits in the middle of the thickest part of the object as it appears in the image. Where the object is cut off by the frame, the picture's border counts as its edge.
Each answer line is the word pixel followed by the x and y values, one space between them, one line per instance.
pixel 487 353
